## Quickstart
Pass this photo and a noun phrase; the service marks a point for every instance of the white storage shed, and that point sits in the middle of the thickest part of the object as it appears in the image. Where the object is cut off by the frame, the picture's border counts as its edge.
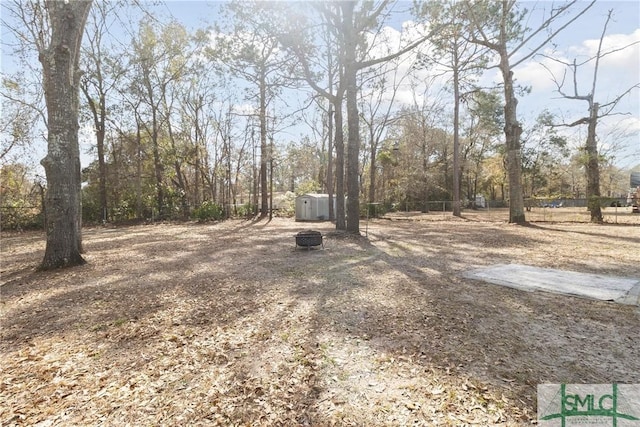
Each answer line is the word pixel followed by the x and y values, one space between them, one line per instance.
pixel 313 207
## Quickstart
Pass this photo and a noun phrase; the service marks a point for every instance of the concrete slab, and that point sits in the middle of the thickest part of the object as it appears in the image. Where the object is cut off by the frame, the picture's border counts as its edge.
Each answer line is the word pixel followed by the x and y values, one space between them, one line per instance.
pixel 622 290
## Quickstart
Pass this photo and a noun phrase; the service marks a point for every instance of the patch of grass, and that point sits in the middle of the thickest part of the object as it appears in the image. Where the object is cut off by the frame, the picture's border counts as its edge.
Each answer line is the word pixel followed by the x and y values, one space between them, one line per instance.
pixel 301 358
pixel 328 360
pixel 343 375
pixel 99 327
pixel 104 326
pixel 120 322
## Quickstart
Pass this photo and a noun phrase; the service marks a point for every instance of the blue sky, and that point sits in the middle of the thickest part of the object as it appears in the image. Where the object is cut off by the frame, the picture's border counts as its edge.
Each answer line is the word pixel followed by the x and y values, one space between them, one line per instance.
pixel 617 73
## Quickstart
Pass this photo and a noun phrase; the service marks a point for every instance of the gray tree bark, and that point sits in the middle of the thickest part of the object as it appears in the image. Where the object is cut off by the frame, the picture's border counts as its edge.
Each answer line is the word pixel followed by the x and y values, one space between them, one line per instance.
pixel 593 167
pixel 512 128
pixel 61 79
pixel 264 149
pixel 512 132
pixel 353 119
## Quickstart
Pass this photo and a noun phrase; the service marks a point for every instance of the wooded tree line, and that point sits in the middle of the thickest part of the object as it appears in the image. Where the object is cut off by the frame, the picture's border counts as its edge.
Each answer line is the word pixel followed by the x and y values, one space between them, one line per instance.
pixel 205 122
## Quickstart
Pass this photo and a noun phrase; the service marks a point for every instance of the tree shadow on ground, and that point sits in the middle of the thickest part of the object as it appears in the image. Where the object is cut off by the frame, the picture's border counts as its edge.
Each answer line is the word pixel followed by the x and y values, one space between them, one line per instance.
pixel 604 236
pixel 510 339
pixel 307 332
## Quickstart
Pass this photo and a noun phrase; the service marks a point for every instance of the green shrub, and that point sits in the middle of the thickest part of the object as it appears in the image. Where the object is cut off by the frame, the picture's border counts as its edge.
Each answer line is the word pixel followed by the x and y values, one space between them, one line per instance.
pixel 208 211
pixel 246 210
pixel 307 187
pixel 19 217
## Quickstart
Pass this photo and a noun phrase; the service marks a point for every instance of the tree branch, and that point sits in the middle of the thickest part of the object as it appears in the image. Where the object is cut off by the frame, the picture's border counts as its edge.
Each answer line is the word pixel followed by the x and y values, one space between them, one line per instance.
pixel 552 35
pixel 613 103
pixel 595 68
pixel 473 39
pixel 582 121
pixel 371 62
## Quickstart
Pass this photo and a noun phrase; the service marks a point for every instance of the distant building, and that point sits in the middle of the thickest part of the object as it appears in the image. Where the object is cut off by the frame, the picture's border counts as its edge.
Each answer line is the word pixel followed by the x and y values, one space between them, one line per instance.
pixel 481 202
pixel 313 207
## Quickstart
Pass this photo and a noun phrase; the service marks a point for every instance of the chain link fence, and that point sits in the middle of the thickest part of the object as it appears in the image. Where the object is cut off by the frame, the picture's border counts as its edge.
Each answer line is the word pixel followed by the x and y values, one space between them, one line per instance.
pixel 614 210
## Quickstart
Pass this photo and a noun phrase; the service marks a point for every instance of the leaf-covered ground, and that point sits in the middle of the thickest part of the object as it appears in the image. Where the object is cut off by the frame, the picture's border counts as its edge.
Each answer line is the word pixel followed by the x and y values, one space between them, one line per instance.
pixel 228 324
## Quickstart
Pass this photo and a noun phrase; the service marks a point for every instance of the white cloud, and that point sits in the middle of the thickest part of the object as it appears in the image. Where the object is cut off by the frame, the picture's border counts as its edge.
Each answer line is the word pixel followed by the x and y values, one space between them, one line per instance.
pixel 390 40
pixel 619 68
pixel 539 74
pixel 617 72
pixel 244 109
pixel 623 125
pixel 628 57
pixel 631 124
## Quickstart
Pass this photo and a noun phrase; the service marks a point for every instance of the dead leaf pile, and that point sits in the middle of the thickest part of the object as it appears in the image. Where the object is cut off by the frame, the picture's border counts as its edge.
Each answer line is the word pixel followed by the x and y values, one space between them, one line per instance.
pixel 229 324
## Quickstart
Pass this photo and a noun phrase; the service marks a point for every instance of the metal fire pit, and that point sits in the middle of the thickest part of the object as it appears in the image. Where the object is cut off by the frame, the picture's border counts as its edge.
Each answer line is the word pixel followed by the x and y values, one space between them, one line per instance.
pixel 309 238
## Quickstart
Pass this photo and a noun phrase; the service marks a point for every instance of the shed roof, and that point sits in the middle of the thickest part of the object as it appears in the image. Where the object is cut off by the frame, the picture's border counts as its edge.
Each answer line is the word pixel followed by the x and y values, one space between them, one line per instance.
pixel 315 195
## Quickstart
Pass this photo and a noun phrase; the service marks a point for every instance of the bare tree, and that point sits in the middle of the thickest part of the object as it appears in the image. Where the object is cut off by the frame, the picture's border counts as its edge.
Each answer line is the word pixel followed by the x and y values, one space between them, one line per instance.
pixel 159 59
pixel 421 138
pixel 317 62
pixel 499 26
pixel 378 93
pixel 53 30
pixel 462 59
pixel 481 137
pixel 102 71
pixel 17 120
pixel 349 24
pixel 352 24
pixel 251 51
pixel 596 112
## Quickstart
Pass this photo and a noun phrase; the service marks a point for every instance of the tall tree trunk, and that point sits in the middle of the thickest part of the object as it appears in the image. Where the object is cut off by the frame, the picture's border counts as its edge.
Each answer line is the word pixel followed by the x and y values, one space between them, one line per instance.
pixel 102 165
pixel 177 165
pixel 372 164
pixel 512 132
pixel 270 177
pixel 330 183
pixel 332 213
pixel 99 113
pixel 424 176
pixel 139 154
pixel 61 78
pixel 229 190
pixel 157 162
pixel 593 168
pixel 158 166
pixel 197 200
pixel 255 171
pixel 264 149
pixel 353 120
pixel 341 223
pixel 456 138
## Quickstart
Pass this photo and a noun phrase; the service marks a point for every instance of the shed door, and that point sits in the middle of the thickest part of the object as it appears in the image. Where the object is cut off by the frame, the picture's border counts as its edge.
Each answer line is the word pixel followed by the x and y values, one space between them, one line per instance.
pixel 306 209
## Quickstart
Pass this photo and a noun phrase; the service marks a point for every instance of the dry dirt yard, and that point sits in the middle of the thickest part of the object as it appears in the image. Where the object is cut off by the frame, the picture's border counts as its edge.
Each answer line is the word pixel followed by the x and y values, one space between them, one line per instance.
pixel 228 324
